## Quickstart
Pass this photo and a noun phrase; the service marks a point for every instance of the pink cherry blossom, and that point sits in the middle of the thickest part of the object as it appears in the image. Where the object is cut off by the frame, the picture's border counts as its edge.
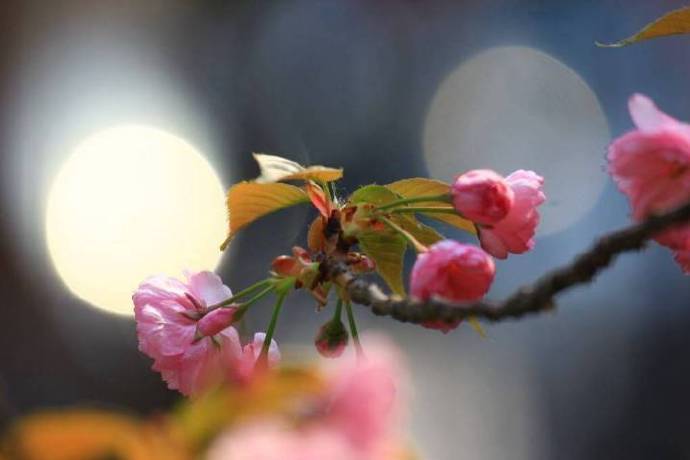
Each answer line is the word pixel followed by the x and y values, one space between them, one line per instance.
pixel 366 395
pixel 651 165
pixel 251 352
pixel 166 312
pixel 482 196
pixel 515 233
pixel 451 271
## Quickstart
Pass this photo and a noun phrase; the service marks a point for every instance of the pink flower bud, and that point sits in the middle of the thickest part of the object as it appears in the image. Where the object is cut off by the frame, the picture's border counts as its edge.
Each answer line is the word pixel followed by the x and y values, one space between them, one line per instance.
pixel 215 321
pixel 451 271
pixel 299 265
pixel 360 263
pixel 286 266
pixel 482 196
pixel 331 339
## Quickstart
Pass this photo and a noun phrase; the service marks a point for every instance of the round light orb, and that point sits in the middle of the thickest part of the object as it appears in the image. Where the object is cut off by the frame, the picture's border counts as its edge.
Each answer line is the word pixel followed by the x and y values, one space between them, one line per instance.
pixel 514 108
pixel 131 202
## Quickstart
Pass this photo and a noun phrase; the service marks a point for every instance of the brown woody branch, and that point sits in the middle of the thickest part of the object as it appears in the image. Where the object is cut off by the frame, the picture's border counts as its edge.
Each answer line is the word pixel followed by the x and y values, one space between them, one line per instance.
pixel 532 298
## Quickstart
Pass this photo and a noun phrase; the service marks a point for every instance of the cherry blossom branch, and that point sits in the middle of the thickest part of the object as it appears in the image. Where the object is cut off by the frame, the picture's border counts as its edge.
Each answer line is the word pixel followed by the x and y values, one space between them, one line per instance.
pixel 529 299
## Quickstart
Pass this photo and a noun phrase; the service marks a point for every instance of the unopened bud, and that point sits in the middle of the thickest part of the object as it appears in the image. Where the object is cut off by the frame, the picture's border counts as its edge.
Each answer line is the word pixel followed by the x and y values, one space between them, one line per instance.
pixel 215 321
pixel 332 339
pixel 482 196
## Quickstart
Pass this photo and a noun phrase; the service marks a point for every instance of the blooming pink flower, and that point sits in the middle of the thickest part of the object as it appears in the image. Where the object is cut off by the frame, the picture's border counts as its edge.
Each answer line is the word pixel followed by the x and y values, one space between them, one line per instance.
pixel 251 352
pixel 482 196
pixel 451 271
pixel 651 165
pixel 515 232
pixel 166 312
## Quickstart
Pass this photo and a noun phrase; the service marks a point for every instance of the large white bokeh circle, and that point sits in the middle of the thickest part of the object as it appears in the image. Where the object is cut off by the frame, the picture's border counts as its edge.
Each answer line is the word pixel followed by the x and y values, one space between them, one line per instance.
pixel 130 202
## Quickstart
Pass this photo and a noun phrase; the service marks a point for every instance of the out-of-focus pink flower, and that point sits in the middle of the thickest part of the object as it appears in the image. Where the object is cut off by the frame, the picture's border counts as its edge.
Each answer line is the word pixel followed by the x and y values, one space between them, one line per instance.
pixel 271 440
pixel 166 312
pixel 515 233
pixel 251 352
pixel 482 196
pixel 451 271
pixel 356 415
pixel 331 339
pixel 651 165
pixel 366 395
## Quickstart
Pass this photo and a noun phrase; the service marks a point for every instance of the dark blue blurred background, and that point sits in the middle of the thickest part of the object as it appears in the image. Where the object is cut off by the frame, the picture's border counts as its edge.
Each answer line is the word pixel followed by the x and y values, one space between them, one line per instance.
pixel 376 87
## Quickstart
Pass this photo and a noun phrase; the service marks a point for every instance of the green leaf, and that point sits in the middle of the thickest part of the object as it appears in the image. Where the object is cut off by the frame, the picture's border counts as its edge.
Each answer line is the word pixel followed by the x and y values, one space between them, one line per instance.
pixel 419 186
pixel 380 195
pixel 387 251
pixel 374 194
pixel 276 169
pixel 248 201
pixel 674 23
pixel 422 233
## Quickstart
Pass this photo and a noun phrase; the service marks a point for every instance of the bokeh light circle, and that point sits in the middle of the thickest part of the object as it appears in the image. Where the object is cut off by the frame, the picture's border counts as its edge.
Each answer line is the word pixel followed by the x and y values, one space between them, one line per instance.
pixel 514 108
pixel 130 202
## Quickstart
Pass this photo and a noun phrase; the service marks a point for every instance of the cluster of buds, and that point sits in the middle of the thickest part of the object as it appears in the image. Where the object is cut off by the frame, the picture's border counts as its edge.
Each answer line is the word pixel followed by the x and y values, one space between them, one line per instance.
pixel 304 269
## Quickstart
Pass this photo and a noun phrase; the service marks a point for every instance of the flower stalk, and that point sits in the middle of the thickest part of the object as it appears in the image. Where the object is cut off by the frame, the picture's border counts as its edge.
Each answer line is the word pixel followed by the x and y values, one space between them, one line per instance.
pixel 353 327
pixel 263 357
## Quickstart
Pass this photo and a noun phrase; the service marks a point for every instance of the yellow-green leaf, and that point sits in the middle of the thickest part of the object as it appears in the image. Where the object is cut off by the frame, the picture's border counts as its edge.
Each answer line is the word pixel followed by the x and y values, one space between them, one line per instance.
pixel 674 23
pixel 277 169
pixel 248 201
pixel 419 186
pixel 380 195
pixel 477 326
pixel 422 233
pixel 375 194
pixel 387 251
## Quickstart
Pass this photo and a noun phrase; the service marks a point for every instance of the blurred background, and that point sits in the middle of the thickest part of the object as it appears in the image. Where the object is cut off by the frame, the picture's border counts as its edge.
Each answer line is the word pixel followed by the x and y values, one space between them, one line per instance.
pixel 386 90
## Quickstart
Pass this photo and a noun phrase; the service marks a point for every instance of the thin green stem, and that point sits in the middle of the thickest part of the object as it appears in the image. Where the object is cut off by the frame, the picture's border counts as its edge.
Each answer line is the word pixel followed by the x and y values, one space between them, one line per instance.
pixel 443 198
pixel 245 306
pixel 263 357
pixel 338 309
pixel 243 293
pixel 419 247
pixel 353 327
pixel 426 209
